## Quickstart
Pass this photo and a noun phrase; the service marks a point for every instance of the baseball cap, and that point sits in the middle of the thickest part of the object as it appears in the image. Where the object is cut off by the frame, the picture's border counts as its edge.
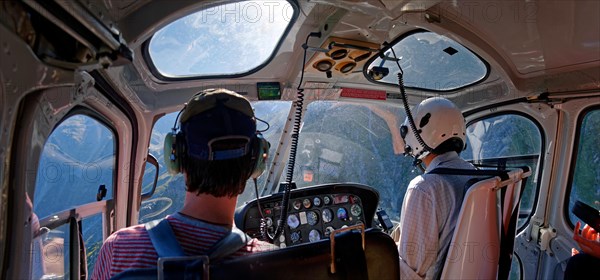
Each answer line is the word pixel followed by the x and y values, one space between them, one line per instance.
pixel 218 124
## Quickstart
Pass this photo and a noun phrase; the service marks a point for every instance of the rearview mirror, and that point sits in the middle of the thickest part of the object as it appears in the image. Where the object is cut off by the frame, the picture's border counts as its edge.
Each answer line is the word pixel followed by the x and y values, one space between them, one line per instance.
pixel 151 161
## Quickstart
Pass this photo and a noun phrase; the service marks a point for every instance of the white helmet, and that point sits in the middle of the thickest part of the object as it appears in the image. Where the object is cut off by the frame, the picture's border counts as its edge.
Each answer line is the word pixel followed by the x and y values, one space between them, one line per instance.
pixel 437 120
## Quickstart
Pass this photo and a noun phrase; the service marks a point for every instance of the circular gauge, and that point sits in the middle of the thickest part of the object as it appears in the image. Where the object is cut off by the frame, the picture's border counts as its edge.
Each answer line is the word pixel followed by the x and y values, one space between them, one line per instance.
pixel 342 214
pixel 314 235
pixel 356 210
pixel 293 221
pixel 295 237
pixel 327 215
pixel 306 202
pixel 297 204
pixel 326 200
pixel 269 221
pixel 282 238
pixel 317 201
pixel 312 218
pixel 282 245
pixel 328 231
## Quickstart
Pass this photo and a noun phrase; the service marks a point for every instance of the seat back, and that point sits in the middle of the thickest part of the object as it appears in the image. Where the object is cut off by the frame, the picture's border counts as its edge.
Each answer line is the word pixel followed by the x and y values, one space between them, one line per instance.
pixel 482 243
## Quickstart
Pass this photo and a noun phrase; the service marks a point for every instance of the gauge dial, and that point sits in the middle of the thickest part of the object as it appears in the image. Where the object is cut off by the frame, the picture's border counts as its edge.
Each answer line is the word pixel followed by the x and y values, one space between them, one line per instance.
pixel 356 210
pixel 312 217
pixel 269 221
pixel 314 235
pixel 327 215
pixel 293 221
pixel 342 214
pixel 326 200
pixel 317 201
pixel 295 237
pixel 297 204
pixel 306 202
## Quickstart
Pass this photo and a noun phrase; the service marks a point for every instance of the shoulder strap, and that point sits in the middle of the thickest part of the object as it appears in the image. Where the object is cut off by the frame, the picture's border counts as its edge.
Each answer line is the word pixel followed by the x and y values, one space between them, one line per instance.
pixel 164 242
pixel 163 239
pixel 503 174
pixel 231 243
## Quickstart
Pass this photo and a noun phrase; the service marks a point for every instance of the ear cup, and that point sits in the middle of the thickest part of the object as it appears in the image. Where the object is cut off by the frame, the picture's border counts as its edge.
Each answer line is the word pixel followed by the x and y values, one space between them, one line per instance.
pixel 260 154
pixel 171 154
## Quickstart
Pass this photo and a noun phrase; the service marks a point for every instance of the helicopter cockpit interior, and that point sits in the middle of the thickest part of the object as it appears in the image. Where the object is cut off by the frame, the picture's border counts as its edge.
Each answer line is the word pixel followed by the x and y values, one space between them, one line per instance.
pixel 90 88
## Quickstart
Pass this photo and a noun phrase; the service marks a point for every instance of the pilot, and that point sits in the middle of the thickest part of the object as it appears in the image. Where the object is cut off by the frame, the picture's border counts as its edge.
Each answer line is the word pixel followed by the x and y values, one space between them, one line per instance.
pixel 216 150
pixel 432 202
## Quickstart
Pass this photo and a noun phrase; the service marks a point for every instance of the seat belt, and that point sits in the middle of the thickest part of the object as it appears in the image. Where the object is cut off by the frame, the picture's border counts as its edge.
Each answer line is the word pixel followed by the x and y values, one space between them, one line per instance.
pixel 166 245
pixel 231 243
pixel 503 174
pixel 163 239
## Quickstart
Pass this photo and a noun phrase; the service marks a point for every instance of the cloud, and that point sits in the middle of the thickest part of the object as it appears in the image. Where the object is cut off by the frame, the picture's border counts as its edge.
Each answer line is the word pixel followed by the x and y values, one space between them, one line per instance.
pixel 228 39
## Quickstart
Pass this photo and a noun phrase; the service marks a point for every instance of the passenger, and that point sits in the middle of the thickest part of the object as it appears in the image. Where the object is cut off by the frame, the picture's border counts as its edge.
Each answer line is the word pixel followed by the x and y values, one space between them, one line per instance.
pixel 583 264
pixel 215 151
pixel 432 202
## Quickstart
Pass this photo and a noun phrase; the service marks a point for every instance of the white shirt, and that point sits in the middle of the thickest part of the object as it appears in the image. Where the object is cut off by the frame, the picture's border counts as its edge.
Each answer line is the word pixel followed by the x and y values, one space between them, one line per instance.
pixel 429 213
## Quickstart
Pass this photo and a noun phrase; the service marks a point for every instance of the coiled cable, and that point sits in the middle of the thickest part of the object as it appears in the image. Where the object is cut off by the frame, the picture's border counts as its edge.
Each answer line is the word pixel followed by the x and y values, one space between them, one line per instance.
pixel 293 149
pixel 409 116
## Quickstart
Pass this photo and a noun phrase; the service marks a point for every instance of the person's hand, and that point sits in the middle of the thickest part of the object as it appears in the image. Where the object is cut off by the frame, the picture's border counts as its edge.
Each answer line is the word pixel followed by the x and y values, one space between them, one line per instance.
pixel 588 240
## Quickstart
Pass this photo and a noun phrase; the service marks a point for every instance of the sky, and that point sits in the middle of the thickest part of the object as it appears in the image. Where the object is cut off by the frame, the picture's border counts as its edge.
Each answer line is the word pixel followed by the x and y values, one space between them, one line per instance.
pixel 227 39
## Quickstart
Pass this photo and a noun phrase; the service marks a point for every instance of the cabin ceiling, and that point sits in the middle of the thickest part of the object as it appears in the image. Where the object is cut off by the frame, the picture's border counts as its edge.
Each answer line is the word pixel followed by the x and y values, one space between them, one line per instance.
pixel 532 46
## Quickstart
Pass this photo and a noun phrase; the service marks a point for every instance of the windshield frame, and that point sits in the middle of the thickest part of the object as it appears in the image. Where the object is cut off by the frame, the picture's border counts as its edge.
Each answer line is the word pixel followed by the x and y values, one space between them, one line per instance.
pixel 146 57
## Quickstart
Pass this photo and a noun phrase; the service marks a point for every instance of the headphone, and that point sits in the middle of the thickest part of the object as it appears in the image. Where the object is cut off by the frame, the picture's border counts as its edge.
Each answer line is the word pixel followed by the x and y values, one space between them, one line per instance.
pixel 175 150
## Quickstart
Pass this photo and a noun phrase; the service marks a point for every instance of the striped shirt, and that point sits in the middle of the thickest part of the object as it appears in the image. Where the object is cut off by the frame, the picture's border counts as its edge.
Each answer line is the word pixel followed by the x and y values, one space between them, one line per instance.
pixel 131 247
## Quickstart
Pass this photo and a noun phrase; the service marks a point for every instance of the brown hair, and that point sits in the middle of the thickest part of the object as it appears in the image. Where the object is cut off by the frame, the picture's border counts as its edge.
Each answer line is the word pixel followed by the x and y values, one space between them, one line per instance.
pixel 218 177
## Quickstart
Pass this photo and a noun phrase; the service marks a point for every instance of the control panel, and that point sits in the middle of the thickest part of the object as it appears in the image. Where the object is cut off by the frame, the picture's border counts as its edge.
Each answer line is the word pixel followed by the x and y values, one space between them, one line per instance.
pixel 313 212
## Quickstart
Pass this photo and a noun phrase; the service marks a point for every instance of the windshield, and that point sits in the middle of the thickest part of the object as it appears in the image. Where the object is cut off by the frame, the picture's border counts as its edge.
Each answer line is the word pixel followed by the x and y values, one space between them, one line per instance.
pixel 339 142
pixel 355 142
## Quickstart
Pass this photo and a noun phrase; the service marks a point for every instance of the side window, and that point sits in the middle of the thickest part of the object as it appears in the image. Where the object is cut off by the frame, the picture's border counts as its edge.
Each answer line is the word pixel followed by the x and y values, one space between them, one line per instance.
pixel 585 185
pixel 78 157
pixel 507 141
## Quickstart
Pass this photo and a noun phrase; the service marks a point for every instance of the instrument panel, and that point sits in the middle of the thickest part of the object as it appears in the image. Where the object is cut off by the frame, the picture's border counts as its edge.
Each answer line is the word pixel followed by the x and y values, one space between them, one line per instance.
pixel 313 212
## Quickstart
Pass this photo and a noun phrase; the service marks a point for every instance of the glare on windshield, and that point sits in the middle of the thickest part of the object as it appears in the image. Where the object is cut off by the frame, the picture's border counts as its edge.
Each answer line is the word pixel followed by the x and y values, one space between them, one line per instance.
pixel 229 39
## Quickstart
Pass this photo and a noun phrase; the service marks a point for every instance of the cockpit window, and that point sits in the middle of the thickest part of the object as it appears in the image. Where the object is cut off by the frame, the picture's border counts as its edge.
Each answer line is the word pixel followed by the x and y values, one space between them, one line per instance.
pixel 355 142
pixel 585 181
pixel 78 157
pixel 225 40
pixel 431 62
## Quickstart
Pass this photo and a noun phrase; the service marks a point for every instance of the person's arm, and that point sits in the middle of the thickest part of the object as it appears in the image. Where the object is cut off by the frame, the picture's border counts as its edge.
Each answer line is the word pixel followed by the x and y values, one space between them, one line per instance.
pixel 588 240
pixel 103 266
pixel 418 240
